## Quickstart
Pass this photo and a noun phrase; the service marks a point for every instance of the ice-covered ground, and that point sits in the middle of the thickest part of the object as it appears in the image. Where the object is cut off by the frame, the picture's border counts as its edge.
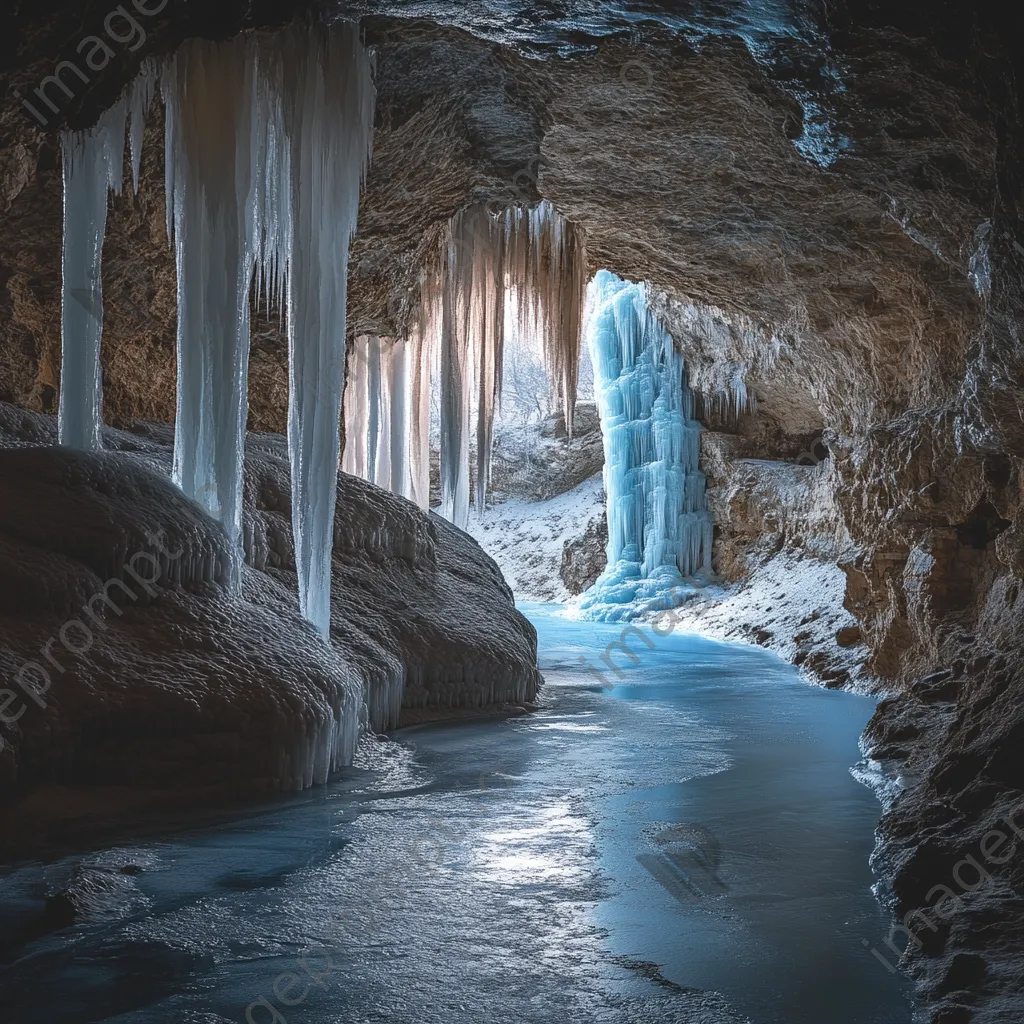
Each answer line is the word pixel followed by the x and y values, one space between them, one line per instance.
pixel 526 538
pixel 792 605
pixel 685 846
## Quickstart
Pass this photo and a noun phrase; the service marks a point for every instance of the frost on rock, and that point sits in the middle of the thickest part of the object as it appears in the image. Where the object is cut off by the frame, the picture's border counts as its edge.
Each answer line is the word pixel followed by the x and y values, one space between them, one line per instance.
pixel 659 529
pixel 92 163
pixel 135 664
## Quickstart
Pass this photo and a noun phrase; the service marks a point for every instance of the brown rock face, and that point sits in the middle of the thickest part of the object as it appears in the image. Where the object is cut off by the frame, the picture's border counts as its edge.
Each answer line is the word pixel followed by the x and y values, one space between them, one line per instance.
pixel 585 557
pixel 869 296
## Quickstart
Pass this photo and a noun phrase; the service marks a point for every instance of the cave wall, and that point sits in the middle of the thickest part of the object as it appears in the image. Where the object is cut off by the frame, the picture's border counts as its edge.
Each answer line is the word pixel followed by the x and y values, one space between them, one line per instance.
pixel 868 293
pixel 873 299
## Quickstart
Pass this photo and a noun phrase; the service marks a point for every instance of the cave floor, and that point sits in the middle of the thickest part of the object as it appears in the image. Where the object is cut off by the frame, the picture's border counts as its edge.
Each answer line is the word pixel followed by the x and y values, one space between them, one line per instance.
pixel 687 845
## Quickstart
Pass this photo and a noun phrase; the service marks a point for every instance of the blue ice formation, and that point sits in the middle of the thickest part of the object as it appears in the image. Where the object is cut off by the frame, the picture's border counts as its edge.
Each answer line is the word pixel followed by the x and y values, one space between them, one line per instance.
pixel 659 528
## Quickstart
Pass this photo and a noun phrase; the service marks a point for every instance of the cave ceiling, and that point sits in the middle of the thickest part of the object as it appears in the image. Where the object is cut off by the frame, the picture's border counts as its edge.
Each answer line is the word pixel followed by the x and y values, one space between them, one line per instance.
pixel 823 180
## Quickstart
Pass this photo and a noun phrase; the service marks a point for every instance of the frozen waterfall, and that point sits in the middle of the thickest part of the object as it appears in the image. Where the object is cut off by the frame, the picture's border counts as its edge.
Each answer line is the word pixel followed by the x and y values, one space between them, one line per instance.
pixel 93 165
pixel 659 529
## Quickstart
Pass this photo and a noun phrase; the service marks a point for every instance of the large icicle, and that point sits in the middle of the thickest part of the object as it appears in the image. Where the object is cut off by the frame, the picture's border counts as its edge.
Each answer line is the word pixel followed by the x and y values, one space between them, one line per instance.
pixel 357 410
pixel 659 529
pixel 93 165
pixel 558 269
pixel 456 380
pixel 423 350
pixel 318 101
pixel 209 95
pixel 398 412
pixel 382 461
pixel 377 415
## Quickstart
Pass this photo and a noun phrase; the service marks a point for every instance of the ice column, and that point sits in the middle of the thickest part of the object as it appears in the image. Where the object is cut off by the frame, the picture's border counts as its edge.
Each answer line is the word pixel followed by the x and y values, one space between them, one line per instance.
pixel 330 96
pixel 315 109
pixel 659 529
pixel 93 165
pixel 209 97
pixel 357 411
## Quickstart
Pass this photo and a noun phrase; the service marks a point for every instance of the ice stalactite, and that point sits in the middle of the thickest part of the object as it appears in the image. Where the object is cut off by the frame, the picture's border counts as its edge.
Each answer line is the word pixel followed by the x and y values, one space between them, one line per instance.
pixel 92 166
pixel 531 264
pixel 209 93
pixel 659 529
pixel 377 413
pixel 356 408
pixel 383 442
pixel 422 352
pixel 141 94
pixel 551 263
pixel 455 376
pixel 327 93
pixel 398 415
pixel 373 415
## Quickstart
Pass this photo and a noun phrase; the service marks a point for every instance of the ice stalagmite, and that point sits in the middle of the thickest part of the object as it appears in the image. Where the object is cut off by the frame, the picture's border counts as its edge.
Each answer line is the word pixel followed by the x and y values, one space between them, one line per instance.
pixel 318 101
pixel 93 165
pixel 659 529
pixel 208 92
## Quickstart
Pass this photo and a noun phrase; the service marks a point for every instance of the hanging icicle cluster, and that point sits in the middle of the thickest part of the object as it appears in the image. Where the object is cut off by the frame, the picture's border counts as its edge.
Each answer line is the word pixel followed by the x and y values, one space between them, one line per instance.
pixel 518 269
pixel 268 139
pixel 659 529
pixel 92 166
pixel 267 142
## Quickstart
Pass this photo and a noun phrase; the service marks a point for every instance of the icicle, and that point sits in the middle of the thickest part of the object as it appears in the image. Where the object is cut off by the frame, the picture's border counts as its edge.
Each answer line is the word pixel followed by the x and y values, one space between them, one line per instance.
pixel 317 99
pixel 424 346
pixel 556 275
pixel 398 391
pixel 357 411
pixel 455 383
pixel 373 384
pixel 209 95
pixel 92 165
pixel 659 530
pixel 536 259
pixel 382 462
pixel 140 97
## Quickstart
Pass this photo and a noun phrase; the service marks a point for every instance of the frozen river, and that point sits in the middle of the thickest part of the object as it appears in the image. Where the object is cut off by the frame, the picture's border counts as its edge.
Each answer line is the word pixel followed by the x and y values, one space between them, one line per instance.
pixel 686 844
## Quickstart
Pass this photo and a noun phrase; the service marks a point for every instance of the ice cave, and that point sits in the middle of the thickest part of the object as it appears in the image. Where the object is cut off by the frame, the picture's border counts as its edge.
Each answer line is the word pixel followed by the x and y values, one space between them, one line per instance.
pixel 511 512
